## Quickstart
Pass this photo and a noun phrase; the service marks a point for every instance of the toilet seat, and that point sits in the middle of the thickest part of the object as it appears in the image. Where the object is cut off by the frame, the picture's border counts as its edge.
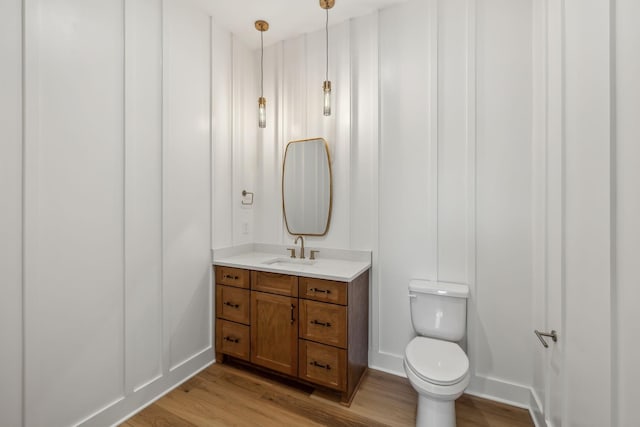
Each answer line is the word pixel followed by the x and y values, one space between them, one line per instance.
pixel 436 361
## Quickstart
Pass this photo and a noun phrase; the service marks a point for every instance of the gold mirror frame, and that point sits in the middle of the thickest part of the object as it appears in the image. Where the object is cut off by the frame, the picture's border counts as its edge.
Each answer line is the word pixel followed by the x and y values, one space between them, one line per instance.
pixel 284 162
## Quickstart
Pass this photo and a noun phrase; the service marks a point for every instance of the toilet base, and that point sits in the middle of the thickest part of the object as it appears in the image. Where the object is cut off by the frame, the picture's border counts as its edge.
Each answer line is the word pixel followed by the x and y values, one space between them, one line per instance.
pixel 435 413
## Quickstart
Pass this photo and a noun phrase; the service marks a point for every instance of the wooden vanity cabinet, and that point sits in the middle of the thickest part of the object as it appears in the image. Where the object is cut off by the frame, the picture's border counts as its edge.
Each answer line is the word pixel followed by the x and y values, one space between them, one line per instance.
pixel 312 329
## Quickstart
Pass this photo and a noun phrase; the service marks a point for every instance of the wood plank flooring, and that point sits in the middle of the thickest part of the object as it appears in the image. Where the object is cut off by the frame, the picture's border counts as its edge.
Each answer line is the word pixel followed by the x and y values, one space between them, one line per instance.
pixel 226 395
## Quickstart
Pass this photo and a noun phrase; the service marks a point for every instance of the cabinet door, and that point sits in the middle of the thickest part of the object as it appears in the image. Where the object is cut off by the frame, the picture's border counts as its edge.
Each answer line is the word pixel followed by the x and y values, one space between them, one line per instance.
pixel 274 332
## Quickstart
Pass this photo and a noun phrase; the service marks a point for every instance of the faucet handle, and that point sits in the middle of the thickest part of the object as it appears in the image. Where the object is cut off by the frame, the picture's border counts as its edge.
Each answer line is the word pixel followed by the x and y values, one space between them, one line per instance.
pixel 293 252
pixel 313 254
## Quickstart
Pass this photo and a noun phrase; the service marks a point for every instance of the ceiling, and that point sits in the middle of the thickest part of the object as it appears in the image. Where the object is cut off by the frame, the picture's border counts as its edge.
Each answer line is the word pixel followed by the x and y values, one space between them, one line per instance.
pixel 287 18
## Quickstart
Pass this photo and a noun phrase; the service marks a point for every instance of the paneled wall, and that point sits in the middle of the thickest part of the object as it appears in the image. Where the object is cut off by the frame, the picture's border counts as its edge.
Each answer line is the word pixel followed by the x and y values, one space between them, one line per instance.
pixel 430 139
pixel 74 203
pixel 116 181
pixel 503 337
pixel 11 361
pixel 626 213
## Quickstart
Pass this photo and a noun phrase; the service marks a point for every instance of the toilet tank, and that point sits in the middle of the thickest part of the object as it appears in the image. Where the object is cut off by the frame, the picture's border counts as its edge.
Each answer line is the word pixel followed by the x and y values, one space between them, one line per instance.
pixel 439 309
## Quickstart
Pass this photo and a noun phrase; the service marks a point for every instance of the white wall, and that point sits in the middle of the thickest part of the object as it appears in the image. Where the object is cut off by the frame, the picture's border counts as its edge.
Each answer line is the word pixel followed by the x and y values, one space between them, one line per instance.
pixel 117 205
pixel 626 197
pixel 11 213
pixel 503 336
pixel 587 173
pixel 74 263
pixel 430 139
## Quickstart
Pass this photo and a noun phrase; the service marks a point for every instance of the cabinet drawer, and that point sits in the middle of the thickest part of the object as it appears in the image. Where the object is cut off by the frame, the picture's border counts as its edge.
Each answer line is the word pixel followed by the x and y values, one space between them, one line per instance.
pixel 232 339
pixel 233 304
pixel 232 277
pixel 323 364
pixel 323 290
pixel 274 283
pixel 323 323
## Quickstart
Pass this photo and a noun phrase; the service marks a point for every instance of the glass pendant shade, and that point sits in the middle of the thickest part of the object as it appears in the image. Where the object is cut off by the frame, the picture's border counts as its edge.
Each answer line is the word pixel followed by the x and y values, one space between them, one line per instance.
pixel 327 98
pixel 262 112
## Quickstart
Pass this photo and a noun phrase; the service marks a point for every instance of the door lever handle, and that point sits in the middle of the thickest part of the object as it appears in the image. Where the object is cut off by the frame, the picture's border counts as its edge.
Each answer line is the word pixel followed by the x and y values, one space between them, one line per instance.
pixel 553 335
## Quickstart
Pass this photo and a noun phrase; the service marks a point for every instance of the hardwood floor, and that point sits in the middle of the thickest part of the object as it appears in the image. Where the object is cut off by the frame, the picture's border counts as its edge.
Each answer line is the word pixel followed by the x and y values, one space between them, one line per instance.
pixel 225 395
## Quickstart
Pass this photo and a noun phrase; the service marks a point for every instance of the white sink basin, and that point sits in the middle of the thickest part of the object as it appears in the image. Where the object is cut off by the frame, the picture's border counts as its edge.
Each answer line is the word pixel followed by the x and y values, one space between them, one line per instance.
pixel 289 261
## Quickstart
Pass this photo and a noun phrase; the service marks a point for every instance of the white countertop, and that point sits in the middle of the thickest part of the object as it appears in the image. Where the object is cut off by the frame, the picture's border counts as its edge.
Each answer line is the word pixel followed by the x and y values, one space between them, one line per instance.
pixel 331 264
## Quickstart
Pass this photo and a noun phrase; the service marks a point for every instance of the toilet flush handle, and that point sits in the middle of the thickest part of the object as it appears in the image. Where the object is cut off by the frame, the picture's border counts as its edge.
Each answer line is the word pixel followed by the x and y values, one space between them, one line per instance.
pixel 413 296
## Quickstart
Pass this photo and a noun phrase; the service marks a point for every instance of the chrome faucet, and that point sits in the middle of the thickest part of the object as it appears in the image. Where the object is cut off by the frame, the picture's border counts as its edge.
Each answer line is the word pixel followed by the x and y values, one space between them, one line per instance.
pixel 301 245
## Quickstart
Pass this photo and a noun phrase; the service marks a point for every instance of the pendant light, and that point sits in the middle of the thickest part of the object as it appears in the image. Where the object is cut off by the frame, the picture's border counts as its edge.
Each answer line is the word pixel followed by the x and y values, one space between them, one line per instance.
pixel 262 26
pixel 326 86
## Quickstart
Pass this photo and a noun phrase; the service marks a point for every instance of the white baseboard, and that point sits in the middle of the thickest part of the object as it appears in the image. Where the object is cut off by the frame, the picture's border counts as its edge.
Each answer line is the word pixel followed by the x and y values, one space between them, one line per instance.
pixel 495 389
pixel 535 409
pixel 126 407
pixel 387 362
pixel 500 390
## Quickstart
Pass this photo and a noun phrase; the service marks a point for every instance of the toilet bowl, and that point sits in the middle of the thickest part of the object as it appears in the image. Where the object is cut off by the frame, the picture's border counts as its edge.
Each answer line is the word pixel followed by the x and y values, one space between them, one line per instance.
pixel 439 371
pixel 436 366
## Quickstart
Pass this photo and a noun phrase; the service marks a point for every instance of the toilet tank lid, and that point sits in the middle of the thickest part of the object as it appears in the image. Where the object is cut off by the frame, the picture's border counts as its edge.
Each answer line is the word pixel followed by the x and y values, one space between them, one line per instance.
pixel 457 290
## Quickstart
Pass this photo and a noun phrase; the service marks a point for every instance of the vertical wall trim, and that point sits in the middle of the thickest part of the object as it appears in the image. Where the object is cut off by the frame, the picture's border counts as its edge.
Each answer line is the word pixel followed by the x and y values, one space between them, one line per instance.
pixel 375 277
pixel 471 141
pixel 23 89
pixel 234 135
pixel 613 213
pixel 350 201
pixel 280 131
pixel 563 199
pixel 126 389
pixel 166 345
pixel 374 344
pixel 211 186
pixel 433 138
pixel 471 158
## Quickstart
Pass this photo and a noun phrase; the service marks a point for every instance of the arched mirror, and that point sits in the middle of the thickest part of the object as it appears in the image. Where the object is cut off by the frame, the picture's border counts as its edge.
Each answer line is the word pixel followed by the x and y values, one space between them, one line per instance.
pixel 307 187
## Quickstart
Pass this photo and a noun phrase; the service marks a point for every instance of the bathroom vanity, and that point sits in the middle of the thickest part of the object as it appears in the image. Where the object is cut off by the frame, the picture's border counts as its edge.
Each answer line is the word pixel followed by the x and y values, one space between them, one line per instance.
pixel 308 321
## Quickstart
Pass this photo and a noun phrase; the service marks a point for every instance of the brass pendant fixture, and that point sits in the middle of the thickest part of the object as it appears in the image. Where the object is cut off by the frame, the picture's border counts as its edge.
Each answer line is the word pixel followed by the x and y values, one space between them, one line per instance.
pixel 326 86
pixel 262 26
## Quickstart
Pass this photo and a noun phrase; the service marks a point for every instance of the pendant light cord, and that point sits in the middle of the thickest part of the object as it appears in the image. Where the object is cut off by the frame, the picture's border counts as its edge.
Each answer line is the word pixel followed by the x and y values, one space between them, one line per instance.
pixel 326 28
pixel 261 63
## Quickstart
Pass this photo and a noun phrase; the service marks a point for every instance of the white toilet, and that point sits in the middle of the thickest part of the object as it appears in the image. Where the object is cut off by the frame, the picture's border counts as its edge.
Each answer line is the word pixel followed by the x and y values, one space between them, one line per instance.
pixel 436 366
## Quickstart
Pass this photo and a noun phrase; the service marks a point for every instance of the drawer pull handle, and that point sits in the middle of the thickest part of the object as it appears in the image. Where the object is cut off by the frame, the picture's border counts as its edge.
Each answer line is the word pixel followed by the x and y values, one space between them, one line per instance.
pixel 230 304
pixel 320 365
pixel 324 291
pixel 229 276
pixel 233 340
pixel 319 323
pixel 292 318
